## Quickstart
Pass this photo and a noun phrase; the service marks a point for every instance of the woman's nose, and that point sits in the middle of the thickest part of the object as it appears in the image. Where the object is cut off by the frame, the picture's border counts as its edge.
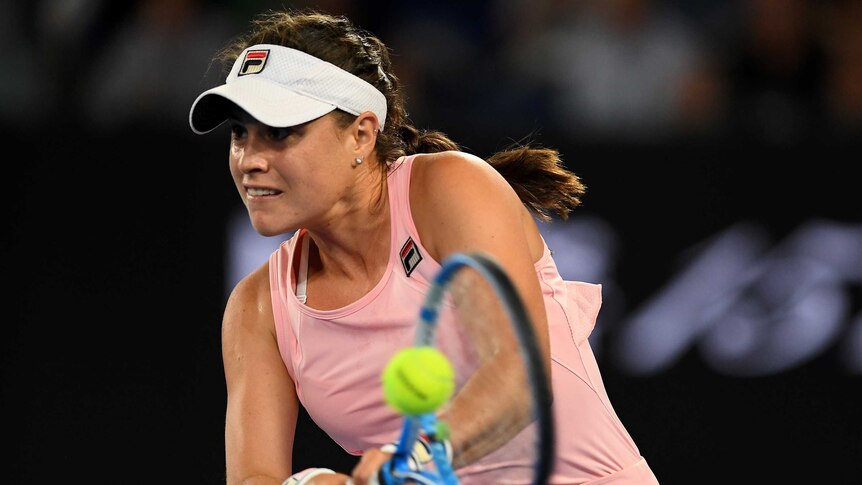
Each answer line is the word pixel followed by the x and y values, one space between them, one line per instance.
pixel 252 156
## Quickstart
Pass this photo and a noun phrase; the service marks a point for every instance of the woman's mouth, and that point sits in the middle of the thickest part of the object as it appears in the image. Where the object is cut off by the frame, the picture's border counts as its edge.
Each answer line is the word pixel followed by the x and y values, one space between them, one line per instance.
pixel 255 192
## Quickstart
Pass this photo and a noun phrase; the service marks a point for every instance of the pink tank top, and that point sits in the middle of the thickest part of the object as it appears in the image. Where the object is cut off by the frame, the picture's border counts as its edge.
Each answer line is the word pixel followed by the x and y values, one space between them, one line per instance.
pixel 335 358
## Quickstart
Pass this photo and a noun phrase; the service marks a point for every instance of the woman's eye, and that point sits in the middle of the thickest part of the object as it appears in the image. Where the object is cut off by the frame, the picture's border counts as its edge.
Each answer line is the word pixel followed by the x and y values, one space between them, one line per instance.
pixel 237 130
pixel 279 133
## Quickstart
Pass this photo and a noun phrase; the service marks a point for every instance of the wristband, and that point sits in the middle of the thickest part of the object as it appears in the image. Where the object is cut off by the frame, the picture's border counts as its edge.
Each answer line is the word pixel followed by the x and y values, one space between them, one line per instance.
pixel 303 477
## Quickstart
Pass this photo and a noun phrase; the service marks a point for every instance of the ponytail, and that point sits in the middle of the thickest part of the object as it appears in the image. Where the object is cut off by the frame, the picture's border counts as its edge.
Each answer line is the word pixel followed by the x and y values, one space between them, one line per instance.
pixel 540 179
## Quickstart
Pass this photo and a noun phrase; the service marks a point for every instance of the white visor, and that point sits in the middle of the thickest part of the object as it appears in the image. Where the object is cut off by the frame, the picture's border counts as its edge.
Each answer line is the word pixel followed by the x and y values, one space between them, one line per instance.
pixel 283 87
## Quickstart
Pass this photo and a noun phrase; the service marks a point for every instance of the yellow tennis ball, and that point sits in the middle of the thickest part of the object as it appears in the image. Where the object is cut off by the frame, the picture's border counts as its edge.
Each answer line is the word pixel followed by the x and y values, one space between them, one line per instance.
pixel 418 380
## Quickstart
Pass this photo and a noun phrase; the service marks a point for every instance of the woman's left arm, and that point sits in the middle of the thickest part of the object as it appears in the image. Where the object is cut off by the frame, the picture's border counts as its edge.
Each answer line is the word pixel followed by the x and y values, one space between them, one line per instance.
pixel 461 204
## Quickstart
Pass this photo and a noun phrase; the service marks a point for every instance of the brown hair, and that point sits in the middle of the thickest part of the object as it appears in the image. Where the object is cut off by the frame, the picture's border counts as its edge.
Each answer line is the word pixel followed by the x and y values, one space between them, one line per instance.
pixel 538 175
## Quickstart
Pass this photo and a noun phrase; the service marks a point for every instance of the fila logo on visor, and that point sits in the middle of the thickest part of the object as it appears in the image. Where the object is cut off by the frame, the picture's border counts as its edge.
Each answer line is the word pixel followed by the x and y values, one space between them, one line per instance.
pixel 253 62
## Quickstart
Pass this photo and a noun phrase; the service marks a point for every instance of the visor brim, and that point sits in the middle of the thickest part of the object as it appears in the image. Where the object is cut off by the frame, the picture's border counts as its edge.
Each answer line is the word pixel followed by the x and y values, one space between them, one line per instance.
pixel 266 101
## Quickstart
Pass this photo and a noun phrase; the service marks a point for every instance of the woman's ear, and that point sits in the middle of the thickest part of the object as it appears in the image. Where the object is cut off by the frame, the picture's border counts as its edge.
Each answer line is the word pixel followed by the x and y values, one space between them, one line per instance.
pixel 365 132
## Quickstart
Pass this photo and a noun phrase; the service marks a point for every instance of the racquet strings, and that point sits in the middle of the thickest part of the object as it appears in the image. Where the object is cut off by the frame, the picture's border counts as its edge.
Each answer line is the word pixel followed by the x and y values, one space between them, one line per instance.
pixel 482 321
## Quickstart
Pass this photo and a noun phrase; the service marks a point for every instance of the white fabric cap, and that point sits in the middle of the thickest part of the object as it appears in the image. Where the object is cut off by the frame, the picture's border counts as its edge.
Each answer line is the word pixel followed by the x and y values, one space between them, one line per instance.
pixel 281 87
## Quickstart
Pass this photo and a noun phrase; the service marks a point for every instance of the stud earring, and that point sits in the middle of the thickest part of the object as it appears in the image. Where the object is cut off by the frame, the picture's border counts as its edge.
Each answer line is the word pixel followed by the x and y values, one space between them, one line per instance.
pixel 357 161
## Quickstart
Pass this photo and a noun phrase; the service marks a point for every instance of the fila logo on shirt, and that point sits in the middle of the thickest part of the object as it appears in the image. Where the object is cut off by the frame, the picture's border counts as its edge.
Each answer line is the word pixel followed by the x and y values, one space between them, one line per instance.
pixel 254 62
pixel 410 256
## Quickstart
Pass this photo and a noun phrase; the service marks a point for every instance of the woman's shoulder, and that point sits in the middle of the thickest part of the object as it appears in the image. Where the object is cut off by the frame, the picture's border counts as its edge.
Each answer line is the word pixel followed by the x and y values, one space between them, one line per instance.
pixel 433 170
pixel 446 158
pixel 252 291
pixel 448 183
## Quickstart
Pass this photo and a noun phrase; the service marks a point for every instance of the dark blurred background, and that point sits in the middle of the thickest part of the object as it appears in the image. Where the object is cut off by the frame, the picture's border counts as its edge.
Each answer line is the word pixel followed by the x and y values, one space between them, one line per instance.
pixel 723 219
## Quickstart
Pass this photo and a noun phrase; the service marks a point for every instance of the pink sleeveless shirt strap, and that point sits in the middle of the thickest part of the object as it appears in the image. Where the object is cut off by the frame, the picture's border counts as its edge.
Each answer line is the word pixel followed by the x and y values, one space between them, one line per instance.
pixel 281 282
pixel 402 220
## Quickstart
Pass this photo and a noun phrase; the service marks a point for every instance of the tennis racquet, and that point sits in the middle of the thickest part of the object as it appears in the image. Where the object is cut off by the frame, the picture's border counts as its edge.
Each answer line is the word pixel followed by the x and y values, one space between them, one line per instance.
pixel 399 470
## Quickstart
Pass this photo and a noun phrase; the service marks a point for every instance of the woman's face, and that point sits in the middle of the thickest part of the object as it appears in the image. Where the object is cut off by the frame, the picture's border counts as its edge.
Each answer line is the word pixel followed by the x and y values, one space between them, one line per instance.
pixel 293 177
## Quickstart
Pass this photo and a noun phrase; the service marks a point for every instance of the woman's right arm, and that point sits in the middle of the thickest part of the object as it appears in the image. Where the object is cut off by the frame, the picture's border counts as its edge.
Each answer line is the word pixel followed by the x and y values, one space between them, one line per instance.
pixel 262 405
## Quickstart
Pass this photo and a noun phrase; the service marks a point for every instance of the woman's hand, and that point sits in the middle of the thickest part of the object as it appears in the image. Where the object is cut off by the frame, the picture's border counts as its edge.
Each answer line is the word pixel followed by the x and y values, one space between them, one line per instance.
pixel 330 479
pixel 365 472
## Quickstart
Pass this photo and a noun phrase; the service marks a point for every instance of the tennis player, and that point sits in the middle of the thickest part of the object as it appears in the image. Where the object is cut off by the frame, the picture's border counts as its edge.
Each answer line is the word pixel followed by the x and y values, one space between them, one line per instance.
pixel 322 148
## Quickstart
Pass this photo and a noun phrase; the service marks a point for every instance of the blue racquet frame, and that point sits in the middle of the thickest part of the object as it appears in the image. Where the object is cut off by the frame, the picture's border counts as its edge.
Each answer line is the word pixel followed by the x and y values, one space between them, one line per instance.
pixel 398 471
